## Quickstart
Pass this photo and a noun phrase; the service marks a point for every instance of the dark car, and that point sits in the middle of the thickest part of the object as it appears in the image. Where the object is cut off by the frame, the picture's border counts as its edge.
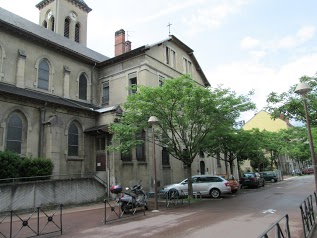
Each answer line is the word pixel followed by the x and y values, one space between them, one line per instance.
pixel 252 179
pixel 269 176
pixel 309 170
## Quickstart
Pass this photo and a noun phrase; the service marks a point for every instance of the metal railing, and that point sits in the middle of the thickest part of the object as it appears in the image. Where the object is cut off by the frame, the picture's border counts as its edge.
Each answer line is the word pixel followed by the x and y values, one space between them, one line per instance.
pixel 279 229
pixel 308 217
pixel 41 221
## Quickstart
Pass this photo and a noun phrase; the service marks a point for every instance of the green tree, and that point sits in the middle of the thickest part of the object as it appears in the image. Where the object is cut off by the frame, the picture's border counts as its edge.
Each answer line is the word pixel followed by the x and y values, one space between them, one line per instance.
pixel 188 116
pixel 291 105
pixel 234 144
pixel 296 145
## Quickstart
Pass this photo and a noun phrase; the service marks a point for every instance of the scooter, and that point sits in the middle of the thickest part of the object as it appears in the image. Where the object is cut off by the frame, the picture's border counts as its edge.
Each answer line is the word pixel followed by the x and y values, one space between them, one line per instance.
pixel 133 199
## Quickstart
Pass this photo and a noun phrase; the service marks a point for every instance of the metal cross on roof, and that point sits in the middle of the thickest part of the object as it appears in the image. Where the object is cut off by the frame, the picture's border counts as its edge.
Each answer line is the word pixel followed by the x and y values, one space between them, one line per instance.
pixel 169 28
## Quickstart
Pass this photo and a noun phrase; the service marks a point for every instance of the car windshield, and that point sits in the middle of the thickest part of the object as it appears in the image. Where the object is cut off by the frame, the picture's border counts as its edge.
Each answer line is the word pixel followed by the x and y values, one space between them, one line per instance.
pixel 248 175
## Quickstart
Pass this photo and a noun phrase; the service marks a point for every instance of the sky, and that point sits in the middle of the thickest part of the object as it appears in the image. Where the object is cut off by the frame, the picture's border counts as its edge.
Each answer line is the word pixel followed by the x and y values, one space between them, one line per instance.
pixel 260 45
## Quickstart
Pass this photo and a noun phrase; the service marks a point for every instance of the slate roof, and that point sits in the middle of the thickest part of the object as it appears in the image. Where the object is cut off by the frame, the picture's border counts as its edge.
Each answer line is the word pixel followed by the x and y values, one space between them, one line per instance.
pixel 8 89
pixel 18 24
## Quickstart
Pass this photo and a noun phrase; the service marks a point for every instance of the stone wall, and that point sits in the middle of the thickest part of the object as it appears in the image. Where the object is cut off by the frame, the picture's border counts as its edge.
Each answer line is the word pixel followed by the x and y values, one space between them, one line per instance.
pixel 42 193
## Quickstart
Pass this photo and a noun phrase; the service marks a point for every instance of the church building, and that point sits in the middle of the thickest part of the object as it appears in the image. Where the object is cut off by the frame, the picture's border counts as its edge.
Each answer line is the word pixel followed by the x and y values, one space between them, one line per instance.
pixel 59 97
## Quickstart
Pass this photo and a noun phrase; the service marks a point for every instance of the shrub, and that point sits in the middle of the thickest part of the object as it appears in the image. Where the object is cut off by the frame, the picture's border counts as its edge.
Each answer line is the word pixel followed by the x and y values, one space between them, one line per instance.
pixel 36 167
pixel 10 164
pixel 13 166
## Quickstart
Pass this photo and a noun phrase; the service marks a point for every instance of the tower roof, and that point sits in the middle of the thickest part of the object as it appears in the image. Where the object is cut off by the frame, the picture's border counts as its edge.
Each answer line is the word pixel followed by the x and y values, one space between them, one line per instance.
pixel 80 3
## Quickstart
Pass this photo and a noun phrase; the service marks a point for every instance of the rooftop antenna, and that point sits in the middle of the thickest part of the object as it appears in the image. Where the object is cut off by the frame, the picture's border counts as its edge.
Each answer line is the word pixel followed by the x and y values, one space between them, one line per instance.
pixel 169 28
pixel 128 35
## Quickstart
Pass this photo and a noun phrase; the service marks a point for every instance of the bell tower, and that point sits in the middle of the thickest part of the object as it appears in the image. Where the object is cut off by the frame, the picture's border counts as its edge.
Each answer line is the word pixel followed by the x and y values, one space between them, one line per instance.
pixel 65 17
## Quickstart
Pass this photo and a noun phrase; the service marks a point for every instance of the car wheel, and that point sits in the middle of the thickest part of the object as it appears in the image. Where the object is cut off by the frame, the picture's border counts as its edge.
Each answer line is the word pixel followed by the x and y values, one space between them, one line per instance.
pixel 272 180
pixel 257 185
pixel 172 194
pixel 234 191
pixel 263 184
pixel 215 193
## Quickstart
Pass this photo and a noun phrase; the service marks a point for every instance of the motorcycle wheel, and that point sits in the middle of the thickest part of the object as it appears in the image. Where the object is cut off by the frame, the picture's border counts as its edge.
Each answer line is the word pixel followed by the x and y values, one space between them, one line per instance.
pixel 125 208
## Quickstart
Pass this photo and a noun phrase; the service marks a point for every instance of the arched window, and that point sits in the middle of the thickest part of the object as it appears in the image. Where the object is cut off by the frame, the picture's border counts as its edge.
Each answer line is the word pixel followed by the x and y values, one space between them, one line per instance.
pixel 44 24
pixel 43 75
pixel 77 32
pixel 14 133
pixel 66 27
pixel 202 167
pixel 52 23
pixel 83 87
pixel 73 140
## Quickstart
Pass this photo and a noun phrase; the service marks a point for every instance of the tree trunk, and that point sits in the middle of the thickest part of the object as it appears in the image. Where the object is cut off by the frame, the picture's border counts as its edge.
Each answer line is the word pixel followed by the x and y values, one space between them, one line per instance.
pixel 190 184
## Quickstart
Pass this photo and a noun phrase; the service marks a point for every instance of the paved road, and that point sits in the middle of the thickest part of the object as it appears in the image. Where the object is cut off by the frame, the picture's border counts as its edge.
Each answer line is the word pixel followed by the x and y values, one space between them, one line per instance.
pixel 246 214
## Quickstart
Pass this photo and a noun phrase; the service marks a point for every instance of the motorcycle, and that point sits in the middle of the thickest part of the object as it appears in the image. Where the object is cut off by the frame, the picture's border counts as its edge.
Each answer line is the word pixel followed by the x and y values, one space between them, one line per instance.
pixel 131 200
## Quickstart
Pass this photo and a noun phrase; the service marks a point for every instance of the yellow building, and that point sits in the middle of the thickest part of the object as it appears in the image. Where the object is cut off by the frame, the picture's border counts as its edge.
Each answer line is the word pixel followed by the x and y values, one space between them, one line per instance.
pixel 263 121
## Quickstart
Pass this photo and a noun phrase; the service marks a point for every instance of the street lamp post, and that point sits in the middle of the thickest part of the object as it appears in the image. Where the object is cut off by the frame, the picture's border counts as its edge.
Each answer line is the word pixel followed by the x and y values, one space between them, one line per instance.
pixel 154 121
pixel 302 89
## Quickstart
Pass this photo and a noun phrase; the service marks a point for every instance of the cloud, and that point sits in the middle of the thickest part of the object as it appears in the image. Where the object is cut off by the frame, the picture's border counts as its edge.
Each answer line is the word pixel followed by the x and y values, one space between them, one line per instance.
pixel 244 76
pixel 306 33
pixel 303 35
pixel 213 16
pixel 248 42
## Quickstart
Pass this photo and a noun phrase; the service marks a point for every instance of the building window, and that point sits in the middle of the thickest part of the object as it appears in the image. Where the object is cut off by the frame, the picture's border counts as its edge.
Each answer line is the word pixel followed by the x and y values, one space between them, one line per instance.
pixel 43 75
pixel 187 66
pixel 126 156
pixel 161 80
pixel 66 27
pixel 105 93
pixel 165 157
pixel 218 161
pixel 44 24
pixel 14 134
pixel 132 83
pixel 52 23
pixel 77 32
pixel 170 57
pixel 83 87
pixel 73 140
pixel 140 149
pixel 2 58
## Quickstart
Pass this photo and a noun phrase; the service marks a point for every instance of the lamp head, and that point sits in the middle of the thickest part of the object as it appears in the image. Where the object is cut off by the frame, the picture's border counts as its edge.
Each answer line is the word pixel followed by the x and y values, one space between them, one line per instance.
pixel 153 120
pixel 302 89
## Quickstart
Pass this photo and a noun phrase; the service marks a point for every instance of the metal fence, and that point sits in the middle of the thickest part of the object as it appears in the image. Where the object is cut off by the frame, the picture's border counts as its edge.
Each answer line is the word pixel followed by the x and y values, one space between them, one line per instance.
pixel 308 217
pixel 279 229
pixel 37 222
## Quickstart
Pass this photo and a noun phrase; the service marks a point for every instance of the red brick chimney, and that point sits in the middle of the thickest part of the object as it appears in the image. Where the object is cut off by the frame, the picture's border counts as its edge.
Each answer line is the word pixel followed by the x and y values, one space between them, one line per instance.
pixel 119 45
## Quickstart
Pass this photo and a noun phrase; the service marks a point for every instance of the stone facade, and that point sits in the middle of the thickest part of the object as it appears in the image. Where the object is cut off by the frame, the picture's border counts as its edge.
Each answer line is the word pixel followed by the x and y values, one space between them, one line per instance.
pixel 83 91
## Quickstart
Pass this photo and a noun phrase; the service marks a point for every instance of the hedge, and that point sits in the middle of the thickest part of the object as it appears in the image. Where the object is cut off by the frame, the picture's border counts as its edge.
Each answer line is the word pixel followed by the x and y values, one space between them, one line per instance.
pixel 13 166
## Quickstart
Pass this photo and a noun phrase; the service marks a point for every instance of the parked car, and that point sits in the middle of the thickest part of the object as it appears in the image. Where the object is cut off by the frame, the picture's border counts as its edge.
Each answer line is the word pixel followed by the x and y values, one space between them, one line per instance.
pixel 252 179
pixel 234 183
pixel 309 170
pixel 206 185
pixel 269 176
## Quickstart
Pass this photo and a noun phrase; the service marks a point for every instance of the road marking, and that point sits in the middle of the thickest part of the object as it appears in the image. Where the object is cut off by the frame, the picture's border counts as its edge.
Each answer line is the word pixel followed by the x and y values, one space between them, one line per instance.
pixel 272 211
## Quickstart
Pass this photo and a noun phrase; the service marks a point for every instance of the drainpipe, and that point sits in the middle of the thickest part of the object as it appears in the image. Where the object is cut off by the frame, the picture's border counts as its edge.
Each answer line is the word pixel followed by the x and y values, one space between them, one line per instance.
pixel 41 129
